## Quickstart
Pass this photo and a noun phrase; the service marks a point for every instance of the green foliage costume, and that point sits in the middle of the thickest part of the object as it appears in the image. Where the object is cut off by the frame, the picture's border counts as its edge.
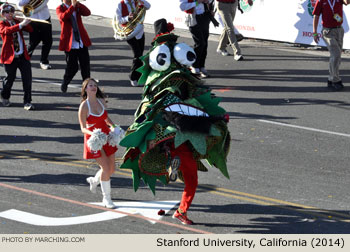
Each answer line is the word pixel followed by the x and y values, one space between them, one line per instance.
pixel 176 108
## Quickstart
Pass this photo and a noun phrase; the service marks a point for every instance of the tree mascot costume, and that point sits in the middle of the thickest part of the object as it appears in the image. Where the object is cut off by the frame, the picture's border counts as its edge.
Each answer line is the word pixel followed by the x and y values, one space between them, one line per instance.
pixel 178 122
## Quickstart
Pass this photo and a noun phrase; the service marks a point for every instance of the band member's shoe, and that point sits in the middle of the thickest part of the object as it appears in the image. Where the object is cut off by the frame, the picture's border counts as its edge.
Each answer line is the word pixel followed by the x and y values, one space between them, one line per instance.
pixel 195 71
pixel 204 73
pixel 175 164
pixel 329 84
pixel 238 57
pixel 106 192
pixel 239 37
pixel 223 52
pixel 29 106
pixel 335 86
pixel 64 87
pixel 133 83
pixel 5 102
pixel 182 217
pixel 45 66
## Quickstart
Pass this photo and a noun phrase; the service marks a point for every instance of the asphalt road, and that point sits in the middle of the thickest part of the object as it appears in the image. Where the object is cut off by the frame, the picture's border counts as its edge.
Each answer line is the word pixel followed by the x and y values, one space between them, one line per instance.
pixel 289 158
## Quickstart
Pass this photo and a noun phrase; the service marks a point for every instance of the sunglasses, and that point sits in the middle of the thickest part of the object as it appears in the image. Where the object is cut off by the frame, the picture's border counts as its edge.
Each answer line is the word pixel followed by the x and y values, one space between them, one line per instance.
pixel 8 12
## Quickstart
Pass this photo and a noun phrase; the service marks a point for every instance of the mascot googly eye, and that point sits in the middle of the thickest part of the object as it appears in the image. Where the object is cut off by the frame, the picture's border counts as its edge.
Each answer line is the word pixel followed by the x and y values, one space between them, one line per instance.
pixel 160 58
pixel 184 54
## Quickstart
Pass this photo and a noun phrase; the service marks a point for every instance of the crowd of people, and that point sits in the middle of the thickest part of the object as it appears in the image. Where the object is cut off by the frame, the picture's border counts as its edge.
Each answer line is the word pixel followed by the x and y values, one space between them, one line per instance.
pixel 74 42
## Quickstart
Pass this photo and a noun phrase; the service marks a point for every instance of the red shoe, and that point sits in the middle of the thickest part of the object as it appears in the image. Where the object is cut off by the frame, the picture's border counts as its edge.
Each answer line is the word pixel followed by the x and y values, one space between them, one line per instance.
pixel 183 218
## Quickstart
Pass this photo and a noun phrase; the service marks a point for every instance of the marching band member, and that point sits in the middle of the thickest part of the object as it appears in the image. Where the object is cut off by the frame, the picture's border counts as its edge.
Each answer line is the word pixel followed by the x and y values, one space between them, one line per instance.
pixel 74 40
pixel 199 15
pixel 14 55
pixel 332 34
pixel 125 13
pixel 227 11
pixel 42 32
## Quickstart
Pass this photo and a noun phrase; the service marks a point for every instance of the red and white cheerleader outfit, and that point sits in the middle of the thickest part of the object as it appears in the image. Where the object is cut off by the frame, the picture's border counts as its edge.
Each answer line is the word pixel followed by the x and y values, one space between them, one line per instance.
pixel 97 122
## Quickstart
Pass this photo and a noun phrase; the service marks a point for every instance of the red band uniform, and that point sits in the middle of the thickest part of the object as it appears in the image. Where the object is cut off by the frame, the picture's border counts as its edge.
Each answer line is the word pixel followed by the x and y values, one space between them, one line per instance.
pixel 14 55
pixel 74 41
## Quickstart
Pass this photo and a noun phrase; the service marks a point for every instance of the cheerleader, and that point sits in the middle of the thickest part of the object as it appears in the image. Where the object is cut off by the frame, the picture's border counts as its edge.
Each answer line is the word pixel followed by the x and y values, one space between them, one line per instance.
pixel 98 131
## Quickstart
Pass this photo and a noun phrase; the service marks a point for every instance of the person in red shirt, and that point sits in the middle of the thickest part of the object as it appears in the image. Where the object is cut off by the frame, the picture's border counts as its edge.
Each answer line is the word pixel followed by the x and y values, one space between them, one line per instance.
pixel 74 40
pixel 332 34
pixel 14 55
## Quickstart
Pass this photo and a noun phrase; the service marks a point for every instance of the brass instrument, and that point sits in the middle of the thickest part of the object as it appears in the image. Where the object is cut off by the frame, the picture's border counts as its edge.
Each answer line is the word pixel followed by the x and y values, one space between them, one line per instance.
pixel 128 31
pixel 33 19
pixel 28 9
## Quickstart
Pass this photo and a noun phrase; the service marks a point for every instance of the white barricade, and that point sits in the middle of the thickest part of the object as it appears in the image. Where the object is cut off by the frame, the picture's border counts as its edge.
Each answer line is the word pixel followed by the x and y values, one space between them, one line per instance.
pixel 279 20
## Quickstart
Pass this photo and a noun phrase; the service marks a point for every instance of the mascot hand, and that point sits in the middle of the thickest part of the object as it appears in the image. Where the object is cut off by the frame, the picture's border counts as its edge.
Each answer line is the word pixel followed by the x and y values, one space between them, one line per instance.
pixel 97 140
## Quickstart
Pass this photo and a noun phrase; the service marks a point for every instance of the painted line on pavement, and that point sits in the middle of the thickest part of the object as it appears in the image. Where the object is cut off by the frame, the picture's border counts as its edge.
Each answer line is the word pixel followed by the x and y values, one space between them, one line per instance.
pixel 144 208
pixel 195 230
pixel 266 201
pixel 54 83
pixel 306 128
pixel 59 161
pixel 228 193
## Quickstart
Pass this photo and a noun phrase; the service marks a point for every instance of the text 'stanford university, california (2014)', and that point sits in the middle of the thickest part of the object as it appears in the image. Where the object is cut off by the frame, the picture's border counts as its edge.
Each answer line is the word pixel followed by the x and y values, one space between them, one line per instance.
pixel 208 242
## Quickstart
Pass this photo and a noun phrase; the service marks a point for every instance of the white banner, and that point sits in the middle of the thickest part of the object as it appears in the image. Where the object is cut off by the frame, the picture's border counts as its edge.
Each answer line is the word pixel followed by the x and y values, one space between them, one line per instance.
pixel 279 20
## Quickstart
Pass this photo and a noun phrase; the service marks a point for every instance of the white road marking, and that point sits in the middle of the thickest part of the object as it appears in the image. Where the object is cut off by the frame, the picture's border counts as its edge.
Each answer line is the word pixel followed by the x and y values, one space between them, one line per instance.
pixel 39 220
pixel 56 83
pixel 146 208
pixel 306 128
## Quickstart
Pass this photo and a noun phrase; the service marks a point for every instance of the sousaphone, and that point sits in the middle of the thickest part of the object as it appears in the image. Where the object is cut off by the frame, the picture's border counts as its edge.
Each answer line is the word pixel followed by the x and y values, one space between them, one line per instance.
pixel 129 30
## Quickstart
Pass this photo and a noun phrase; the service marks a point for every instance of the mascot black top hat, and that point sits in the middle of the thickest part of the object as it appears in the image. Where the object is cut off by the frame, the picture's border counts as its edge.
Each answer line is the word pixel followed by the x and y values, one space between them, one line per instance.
pixel 162 30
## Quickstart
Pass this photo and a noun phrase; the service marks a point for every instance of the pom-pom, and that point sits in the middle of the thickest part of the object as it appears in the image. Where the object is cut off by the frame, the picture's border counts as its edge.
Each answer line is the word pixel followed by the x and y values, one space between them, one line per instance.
pixel 170 27
pixel 115 135
pixel 97 140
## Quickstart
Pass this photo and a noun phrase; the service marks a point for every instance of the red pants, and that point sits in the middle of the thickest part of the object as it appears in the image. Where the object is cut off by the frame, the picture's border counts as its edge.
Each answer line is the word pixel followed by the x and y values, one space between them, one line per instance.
pixel 188 166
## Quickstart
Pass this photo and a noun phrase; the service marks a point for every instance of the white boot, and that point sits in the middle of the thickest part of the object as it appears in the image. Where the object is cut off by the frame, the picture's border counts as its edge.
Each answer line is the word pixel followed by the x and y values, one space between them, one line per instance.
pixel 106 192
pixel 94 181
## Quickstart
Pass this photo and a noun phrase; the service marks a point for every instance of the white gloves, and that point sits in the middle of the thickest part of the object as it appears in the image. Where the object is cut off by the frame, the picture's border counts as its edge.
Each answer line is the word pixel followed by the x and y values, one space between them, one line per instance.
pixel 25 22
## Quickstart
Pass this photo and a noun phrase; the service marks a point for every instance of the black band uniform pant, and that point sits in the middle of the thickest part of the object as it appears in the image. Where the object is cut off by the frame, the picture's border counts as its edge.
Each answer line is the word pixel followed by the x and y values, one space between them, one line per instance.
pixel 25 68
